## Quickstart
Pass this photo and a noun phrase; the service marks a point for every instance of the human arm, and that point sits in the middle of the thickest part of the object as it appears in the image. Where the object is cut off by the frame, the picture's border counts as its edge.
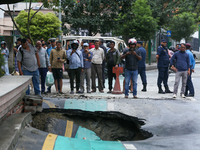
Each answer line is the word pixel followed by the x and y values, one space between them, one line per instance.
pixel 47 61
pixel 172 62
pixel 20 68
pixel 125 54
pixel 137 54
pixel 38 59
pixel 188 64
pixel 81 57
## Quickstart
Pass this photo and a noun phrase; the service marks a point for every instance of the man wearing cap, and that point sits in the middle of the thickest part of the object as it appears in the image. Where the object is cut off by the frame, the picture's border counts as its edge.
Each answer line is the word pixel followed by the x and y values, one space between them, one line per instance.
pixel 113 60
pixel 162 58
pixel 142 65
pixel 75 57
pixel 189 84
pixel 87 57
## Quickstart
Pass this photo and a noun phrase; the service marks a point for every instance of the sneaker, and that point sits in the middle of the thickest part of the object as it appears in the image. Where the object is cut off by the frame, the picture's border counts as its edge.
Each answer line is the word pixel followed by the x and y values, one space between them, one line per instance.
pixel 174 96
pixel 126 96
pixel 182 95
pixel 135 96
pixel 101 91
pixel 72 92
pixel 88 91
pixel 109 92
pixel 79 92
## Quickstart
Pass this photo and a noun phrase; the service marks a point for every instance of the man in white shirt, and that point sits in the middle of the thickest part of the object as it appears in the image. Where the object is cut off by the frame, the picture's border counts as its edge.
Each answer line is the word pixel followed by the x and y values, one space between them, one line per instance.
pixel 96 67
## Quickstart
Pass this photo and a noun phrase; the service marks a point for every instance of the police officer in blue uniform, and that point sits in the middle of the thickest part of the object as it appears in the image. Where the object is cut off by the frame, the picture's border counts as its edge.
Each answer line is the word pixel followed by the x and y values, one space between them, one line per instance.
pixel 142 65
pixel 162 57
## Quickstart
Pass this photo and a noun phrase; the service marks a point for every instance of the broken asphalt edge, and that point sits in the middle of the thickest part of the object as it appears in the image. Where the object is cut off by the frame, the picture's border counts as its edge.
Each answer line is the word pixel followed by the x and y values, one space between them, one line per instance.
pixel 12 128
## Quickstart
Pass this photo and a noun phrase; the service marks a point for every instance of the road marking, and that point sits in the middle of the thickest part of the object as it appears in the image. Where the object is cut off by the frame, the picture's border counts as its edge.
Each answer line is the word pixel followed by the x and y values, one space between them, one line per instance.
pixel 110 106
pixel 88 105
pixel 130 147
pixel 51 105
pixel 49 142
pixel 69 127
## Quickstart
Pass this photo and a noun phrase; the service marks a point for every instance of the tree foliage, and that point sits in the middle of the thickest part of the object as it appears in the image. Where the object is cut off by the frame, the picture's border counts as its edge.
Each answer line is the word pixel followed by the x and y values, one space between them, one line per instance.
pixel 138 23
pixel 1 63
pixel 183 26
pixel 96 16
pixel 42 25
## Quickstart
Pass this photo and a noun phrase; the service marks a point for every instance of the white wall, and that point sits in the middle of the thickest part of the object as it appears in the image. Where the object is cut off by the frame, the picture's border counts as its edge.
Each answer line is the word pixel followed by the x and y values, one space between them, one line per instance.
pixel 2 12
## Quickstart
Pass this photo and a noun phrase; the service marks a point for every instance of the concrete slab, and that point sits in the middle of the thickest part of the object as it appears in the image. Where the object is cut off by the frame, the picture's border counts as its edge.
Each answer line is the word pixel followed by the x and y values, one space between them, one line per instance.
pixel 11 130
pixel 12 90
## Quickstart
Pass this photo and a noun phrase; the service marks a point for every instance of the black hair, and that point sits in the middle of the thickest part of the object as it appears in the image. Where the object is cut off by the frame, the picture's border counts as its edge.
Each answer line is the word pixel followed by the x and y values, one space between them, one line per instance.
pixel 183 44
pixel 23 40
pixel 52 40
pixel 187 46
pixel 19 39
pixel 112 42
pixel 96 41
pixel 101 40
pixel 58 42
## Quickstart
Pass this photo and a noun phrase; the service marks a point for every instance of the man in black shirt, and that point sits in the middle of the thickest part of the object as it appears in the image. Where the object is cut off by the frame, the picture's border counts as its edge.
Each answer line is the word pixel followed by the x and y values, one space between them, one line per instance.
pixel 132 56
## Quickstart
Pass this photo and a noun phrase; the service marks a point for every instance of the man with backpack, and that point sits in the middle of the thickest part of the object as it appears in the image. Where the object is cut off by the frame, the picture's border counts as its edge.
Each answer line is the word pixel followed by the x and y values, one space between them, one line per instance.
pixel 28 60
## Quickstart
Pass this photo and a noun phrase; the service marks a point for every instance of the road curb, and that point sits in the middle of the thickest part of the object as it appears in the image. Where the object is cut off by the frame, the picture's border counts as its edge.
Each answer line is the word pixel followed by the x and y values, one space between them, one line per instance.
pixel 11 130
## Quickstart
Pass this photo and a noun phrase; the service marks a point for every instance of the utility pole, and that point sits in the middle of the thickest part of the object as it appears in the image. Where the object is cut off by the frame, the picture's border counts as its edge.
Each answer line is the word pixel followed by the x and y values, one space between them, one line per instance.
pixel 60 17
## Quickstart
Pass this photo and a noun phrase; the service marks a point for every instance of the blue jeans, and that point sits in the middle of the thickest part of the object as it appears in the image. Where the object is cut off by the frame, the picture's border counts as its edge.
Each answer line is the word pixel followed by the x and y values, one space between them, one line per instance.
pixel 129 74
pixel 43 73
pixel 35 79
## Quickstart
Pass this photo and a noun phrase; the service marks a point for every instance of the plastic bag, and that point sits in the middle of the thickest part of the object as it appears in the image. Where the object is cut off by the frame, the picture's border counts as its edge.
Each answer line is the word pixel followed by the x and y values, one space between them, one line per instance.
pixel 49 79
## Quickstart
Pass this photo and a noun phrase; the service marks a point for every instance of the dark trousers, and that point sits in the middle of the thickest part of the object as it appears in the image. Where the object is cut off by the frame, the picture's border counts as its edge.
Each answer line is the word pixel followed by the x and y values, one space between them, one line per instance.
pixel 43 73
pixel 103 72
pixel 142 73
pixel 162 76
pixel 96 69
pixel 73 73
pixel 189 84
pixel 111 75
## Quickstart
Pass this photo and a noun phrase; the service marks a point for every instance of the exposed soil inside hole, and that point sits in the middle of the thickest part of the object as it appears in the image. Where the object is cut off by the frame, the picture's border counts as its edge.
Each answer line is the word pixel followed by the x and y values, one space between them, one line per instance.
pixel 109 126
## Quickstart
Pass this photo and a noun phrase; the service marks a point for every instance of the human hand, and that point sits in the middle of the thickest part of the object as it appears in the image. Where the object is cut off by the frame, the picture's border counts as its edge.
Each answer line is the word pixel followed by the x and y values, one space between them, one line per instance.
pixel 192 70
pixel 116 66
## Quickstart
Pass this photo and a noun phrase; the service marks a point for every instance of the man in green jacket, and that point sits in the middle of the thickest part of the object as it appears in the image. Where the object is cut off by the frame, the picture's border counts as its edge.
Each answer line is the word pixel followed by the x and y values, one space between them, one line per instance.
pixel 113 60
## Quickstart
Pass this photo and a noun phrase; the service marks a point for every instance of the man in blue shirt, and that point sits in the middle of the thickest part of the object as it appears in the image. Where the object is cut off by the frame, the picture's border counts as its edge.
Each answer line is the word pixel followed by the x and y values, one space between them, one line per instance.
pixel 75 58
pixel 162 57
pixel 142 65
pixel 87 57
pixel 182 69
pixel 189 85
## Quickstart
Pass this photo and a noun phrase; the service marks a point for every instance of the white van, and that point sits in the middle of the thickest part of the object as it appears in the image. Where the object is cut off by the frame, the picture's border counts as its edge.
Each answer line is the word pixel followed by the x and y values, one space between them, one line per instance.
pixel 119 43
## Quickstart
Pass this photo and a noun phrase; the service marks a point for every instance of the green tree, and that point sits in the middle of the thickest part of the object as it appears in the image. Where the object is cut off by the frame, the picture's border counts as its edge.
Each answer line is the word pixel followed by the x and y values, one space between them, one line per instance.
pixel 96 16
pixel 1 63
pixel 42 25
pixel 183 26
pixel 137 23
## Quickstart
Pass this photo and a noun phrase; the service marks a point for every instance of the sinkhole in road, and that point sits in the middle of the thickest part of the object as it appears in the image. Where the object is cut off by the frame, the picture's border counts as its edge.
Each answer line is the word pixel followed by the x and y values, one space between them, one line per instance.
pixel 108 126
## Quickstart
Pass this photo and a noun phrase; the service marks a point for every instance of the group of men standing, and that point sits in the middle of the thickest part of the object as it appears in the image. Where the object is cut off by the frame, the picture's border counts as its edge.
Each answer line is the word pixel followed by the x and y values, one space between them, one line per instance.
pixel 182 62
pixel 89 64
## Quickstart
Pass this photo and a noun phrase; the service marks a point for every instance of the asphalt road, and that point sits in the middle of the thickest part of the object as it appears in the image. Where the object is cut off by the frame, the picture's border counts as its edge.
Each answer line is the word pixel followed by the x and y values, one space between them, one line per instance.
pixel 175 123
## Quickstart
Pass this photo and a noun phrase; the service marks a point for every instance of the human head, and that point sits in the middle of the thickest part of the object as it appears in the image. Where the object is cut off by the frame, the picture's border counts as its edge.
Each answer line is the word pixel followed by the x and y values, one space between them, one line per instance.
pixel 108 44
pixel 177 46
pixel 44 45
pixel 58 44
pixel 101 41
pixel 24 43
pixel 112 44
pixel 3 44
pixel 96 44
pixel 19 41
pixel 42 41
pixel 75 45
pixel 39 44
pixel 163 42
pixel 187 45
pixel 183 47
pixel 85 46
pixel 82 42
pixel 132 43
pixel 53 43
pixel 49 41
pixel 139 43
